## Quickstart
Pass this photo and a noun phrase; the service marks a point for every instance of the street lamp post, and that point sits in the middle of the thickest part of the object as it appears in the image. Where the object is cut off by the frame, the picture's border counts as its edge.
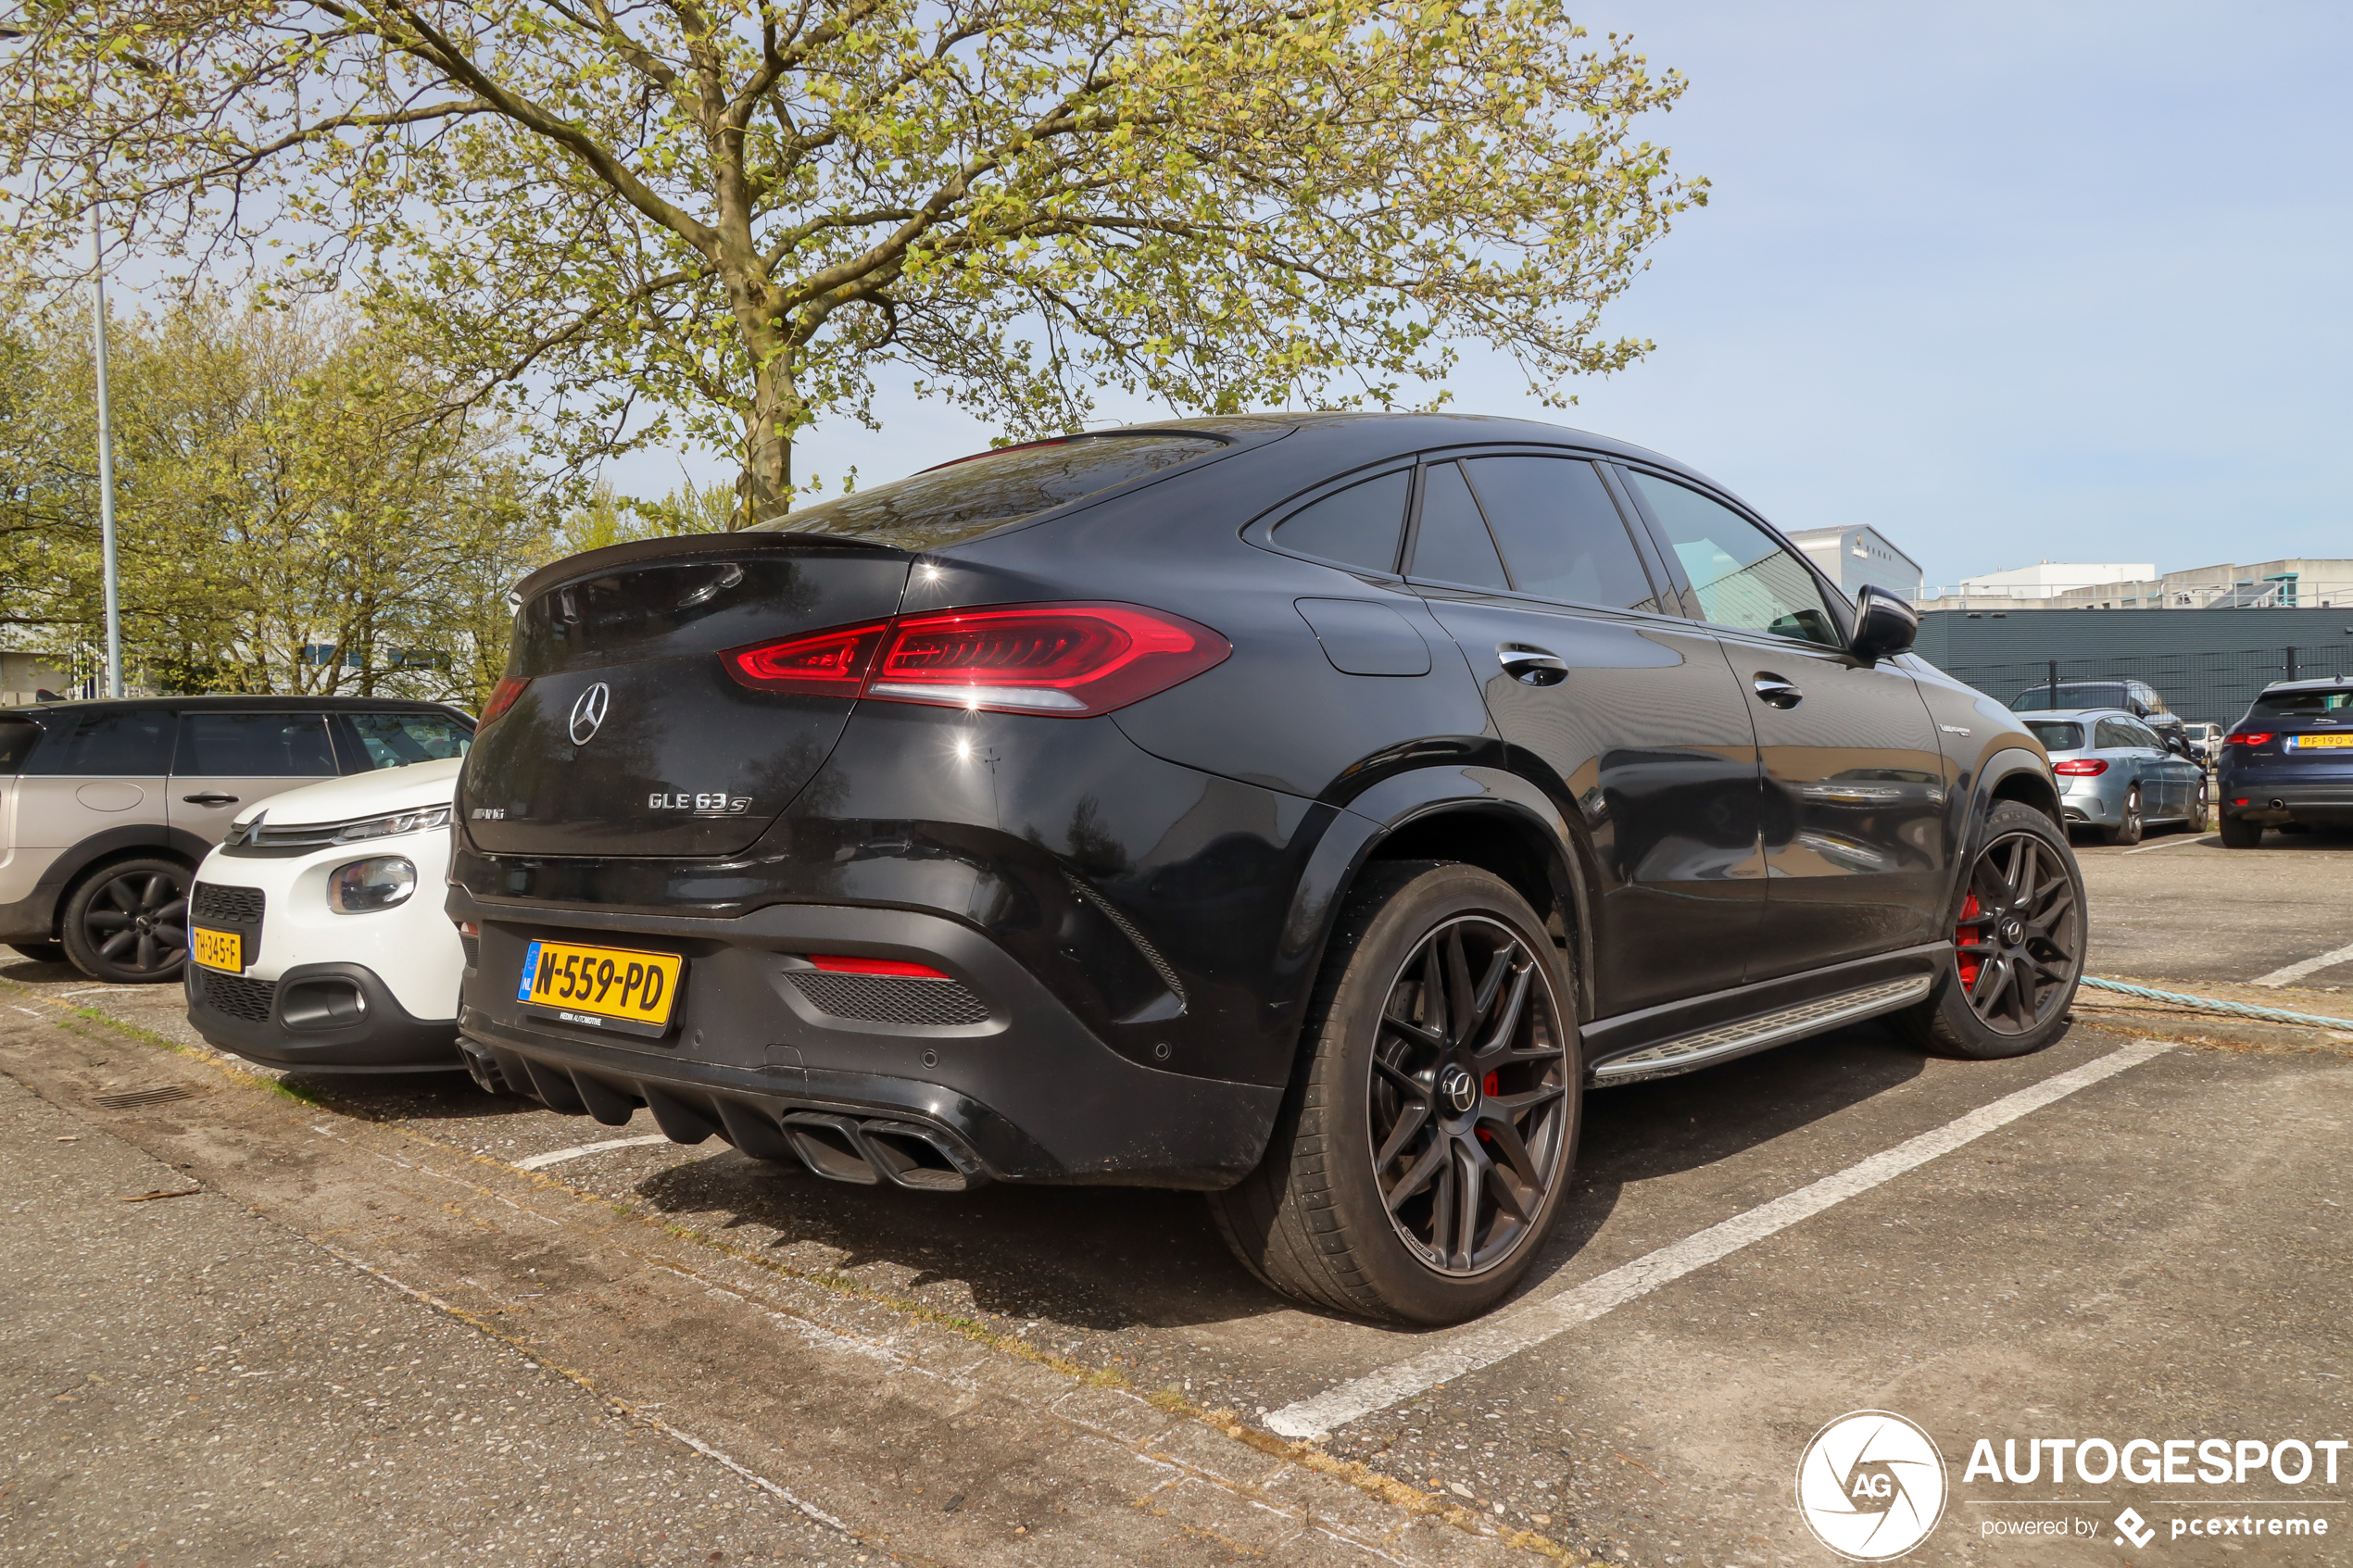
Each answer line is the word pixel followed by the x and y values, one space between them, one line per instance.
pixel 106 466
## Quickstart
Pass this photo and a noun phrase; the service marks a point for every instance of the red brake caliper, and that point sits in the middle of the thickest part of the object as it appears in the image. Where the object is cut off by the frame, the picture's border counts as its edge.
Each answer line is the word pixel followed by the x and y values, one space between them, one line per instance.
pixel 1964 934
pixel 1487 1085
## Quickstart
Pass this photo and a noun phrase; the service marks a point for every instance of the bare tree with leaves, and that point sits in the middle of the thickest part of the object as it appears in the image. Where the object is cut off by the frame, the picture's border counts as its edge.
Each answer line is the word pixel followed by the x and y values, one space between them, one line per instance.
pixel 722 218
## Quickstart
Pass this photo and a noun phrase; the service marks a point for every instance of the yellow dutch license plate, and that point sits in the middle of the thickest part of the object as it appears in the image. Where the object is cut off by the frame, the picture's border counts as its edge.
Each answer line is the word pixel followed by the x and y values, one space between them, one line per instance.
pixel 217 949
pixel 603 987
pixel 2323 743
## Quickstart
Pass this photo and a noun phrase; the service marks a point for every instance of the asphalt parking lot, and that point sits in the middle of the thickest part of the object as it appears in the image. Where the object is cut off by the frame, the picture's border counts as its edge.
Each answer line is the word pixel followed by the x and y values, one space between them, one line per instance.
pixel 616 1348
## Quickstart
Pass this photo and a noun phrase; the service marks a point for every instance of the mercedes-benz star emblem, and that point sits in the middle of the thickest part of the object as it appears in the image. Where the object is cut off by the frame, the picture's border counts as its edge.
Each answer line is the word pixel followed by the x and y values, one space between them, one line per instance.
pixel 1460 1089
pixel 588 713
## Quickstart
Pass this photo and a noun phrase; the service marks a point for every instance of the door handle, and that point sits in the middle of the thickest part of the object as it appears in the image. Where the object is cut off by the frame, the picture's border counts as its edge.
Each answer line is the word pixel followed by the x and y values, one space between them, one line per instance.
pixel 1776 691
pixel 211 797
pixel 1531 666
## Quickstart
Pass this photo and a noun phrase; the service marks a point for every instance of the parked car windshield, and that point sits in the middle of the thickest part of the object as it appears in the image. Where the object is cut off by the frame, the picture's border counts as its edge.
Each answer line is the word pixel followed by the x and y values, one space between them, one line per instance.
pixel 394 740
pixel 960 500
pixel 2057 735
pixel 2303 705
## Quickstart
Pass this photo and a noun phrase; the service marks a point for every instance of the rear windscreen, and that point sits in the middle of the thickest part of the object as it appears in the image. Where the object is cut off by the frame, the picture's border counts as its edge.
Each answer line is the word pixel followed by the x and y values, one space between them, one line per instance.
pixel 947 505
pixel 2057 737
pixel 2300 705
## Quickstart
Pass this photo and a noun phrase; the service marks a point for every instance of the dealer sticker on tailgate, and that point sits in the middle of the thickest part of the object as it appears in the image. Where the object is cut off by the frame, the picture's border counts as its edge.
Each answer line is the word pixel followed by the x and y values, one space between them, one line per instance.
pixel 603 987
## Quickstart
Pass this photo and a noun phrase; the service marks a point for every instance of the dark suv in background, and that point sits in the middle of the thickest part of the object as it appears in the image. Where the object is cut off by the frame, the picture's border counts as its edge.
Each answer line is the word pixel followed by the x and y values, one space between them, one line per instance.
pixel 2289 762
pixel 1305 810
pixel 106 807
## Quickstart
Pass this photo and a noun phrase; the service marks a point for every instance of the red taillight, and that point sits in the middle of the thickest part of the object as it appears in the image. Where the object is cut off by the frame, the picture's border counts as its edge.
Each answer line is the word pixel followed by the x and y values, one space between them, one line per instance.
pixel 502 697
pixel 2078 765
pixel 835 963
pixel 829 663
pixel 2260 738
pixel 1065 659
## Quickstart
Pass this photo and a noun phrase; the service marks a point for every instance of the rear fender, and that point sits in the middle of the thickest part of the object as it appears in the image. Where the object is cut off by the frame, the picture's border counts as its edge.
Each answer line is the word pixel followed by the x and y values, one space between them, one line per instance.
pixel 1407 816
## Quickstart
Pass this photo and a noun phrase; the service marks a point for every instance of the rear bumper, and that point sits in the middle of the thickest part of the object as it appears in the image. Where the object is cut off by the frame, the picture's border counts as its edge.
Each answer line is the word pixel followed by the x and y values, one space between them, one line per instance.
pixel 318 1018
pixel 1012 1081
pixel 2281 794
pixel 30 918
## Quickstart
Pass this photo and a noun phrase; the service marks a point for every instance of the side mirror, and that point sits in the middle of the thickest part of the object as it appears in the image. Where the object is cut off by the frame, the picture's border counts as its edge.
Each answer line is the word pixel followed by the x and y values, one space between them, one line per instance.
pixel 1884 625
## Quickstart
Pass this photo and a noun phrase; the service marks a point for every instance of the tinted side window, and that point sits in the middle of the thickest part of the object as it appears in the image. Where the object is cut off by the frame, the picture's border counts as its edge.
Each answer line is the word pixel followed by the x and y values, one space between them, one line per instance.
pixel 254 745
pixel 18 737
pixel 959 500
pixel 1741 576
pixel 1359 525
pixel 1453 544
pixel 136 741
pixel 1561 534
pixel 2114 735
pixel 394 740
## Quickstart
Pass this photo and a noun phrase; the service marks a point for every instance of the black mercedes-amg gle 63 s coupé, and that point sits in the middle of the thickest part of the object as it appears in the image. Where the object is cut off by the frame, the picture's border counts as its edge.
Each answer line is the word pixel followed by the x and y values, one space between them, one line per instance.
pixel 1305 810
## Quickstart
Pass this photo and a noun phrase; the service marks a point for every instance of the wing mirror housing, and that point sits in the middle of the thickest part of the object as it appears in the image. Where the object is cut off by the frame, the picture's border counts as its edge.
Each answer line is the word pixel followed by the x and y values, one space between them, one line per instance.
pixel 1884 625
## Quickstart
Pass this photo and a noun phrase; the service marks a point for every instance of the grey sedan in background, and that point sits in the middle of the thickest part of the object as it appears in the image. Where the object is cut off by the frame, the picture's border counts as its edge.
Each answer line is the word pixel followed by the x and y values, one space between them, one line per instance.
pixel 2116 776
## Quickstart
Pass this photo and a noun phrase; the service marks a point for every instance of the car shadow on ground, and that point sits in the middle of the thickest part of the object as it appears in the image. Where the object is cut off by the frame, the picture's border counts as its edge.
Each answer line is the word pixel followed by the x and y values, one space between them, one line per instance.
pixel 32 972
pixel 1113 1258
pixel 447 1096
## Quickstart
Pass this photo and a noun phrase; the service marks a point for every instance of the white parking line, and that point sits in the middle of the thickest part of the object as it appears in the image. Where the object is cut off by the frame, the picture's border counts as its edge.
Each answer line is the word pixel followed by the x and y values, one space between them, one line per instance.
pixel 1508 1332
pixel 2296 972
pixel 557 1156
pixel 2168 844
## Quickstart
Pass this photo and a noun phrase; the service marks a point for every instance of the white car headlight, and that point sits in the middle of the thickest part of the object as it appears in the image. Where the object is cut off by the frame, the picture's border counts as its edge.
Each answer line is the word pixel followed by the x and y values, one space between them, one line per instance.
pixel 386 827
pixel 364 886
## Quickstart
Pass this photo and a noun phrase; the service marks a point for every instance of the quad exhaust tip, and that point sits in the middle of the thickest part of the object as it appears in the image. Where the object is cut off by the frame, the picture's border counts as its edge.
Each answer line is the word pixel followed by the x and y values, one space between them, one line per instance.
pixel 844 1149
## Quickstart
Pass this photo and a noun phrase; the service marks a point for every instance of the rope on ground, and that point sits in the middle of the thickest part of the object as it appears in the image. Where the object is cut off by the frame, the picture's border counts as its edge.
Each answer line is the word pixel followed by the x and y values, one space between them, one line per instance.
pixel 2276 1015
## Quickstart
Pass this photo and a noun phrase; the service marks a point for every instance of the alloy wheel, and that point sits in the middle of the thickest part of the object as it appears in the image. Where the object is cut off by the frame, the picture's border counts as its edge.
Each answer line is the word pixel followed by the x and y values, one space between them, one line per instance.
pixel 139 923
pixel 2020 942
pixel 1469 1104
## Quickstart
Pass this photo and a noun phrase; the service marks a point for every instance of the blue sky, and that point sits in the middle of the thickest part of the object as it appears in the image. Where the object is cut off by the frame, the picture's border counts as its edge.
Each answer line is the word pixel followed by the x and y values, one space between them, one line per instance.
pixel 2009 282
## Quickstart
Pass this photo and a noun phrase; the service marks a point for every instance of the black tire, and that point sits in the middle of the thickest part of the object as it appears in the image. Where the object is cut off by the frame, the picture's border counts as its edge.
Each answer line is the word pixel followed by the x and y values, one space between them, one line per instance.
pixel 127 922
pixel 2128 831
pixel 2240 834
pixel 1315 1221
pixel 42 952
pixel 2018 943
pixel 2201 809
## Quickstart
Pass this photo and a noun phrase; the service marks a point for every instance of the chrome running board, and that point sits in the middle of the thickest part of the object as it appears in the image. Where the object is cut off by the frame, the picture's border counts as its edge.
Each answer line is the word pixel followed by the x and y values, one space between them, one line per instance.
pixel 1728 1040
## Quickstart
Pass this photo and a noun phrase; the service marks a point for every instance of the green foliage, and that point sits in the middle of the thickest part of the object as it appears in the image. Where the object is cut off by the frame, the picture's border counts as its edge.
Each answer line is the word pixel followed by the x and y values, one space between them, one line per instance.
pixel 284 483
pixel 717 220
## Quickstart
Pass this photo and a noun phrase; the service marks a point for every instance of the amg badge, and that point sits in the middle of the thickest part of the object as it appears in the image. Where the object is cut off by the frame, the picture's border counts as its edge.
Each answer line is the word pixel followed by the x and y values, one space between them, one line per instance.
pixel 701 805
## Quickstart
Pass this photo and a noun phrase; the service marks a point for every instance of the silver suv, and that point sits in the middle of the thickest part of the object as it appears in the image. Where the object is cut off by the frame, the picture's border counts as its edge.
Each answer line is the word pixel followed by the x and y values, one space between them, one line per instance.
pixel 106 807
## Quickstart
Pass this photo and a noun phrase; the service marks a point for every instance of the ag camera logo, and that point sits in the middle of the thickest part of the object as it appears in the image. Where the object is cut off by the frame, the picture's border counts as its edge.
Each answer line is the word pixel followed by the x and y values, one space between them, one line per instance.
pixel 1870 1486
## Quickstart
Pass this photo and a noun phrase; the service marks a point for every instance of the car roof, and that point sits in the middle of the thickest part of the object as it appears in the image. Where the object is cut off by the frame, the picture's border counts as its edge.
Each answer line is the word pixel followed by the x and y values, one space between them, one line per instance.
pixel 2326 683
pixel 2079 713
pixel 231 704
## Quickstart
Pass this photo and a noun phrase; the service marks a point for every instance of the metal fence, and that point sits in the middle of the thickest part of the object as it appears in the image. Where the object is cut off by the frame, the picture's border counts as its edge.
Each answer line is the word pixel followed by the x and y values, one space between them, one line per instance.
pixel 2214 688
